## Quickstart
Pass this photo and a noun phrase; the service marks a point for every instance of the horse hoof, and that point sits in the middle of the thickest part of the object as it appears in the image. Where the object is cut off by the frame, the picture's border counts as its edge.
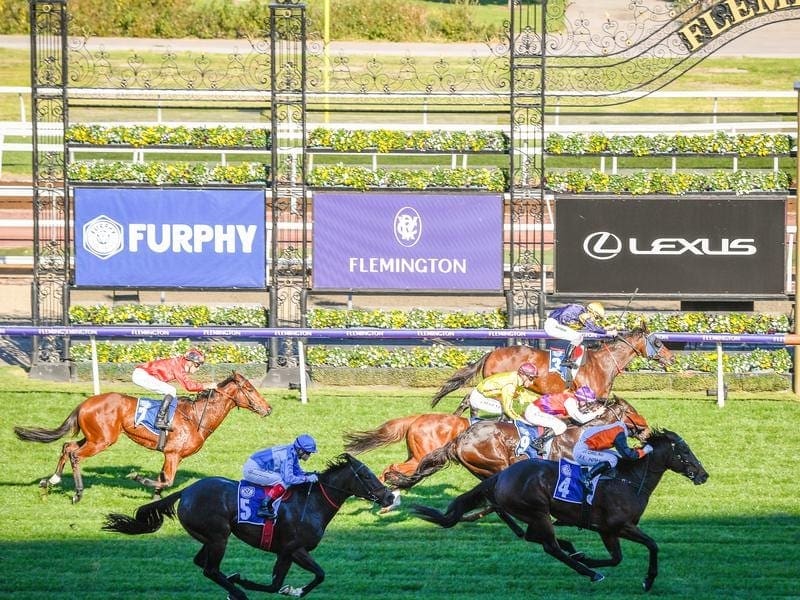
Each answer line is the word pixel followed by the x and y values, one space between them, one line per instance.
pixel 76 498
pixel 44 483
pixel 598 577
pixel 132 475
pixel 647 584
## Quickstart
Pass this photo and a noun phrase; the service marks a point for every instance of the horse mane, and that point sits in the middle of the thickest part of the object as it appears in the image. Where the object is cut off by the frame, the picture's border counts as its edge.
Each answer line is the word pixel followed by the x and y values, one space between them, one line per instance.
pixel 337 462
pixel 229 378
pixel 658 434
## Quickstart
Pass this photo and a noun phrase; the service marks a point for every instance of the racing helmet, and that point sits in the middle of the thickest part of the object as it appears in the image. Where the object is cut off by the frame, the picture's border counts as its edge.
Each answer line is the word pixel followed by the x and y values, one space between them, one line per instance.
pixel 196 356
pixel 527 369
pixel 305 443
pixel 585 394
pixel 596 309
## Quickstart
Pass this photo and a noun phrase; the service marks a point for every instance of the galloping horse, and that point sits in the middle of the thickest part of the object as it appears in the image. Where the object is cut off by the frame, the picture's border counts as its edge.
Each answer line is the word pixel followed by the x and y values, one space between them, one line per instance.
pixel 490 446
pixel 423 434
pixel 209 510
pixel 102 418
pixel 525 492
pixel 603 363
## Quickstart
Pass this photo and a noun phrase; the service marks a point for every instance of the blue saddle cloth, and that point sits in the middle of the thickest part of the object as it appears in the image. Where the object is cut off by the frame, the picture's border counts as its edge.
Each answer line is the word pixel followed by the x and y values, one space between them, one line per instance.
pixel 527 433
pixel 146 411
pixel 251 495
pixel 569 487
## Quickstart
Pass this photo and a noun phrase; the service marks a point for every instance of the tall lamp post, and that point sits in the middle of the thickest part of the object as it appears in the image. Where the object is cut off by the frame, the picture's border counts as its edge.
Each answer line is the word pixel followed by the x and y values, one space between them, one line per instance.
pixel 796 375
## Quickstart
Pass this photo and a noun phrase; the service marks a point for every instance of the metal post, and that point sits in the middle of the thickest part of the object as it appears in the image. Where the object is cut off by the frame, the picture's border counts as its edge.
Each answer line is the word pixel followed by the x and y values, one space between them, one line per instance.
pixel 796 351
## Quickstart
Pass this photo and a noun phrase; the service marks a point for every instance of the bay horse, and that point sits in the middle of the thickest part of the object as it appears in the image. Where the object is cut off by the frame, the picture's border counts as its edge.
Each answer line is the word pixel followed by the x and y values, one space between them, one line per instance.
pixel 491 446
pixel 525 492
pixel 102 418
pixel 603 363
pixel 209 510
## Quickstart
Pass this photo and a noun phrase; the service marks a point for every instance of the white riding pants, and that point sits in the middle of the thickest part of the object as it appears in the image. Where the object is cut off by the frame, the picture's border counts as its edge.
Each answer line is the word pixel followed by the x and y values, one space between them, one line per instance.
pixel 535 416
pixel 585 456
pixel 252 472
pixel 480 402
pixel 143 379
pixel 561 332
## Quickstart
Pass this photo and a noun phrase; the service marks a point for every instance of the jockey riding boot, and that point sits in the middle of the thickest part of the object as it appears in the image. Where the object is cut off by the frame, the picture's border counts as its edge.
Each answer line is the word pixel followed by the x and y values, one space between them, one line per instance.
pixel 266 509
pixel 162 421
pixel 539 442
pixel 596 470
pixel 568 361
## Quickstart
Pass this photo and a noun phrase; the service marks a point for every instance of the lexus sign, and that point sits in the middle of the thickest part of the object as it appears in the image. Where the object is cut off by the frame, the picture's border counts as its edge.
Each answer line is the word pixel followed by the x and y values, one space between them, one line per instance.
pixel 676 246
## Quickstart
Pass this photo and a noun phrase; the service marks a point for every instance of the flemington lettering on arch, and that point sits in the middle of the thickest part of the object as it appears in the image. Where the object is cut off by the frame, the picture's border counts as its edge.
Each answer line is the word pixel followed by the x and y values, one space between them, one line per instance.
pixel 725 15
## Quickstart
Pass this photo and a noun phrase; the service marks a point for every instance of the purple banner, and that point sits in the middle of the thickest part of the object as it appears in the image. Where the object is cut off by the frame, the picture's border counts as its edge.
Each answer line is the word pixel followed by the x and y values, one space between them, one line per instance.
pixel 170 238
pixel 408 241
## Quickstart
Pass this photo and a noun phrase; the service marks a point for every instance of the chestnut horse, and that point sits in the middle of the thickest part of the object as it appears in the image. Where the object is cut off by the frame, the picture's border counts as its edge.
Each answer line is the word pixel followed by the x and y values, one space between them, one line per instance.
pixel 490 446
pixel 102 418
pixel 603 363
pixel 525 490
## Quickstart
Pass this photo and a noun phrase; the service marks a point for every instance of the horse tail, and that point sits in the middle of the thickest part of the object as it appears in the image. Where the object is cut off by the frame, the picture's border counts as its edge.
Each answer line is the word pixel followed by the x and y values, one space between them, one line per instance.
pixel 457 508
pixel 148 518
pixel 431 463
pixel 39 434
pixel 460 378
pixel 390 432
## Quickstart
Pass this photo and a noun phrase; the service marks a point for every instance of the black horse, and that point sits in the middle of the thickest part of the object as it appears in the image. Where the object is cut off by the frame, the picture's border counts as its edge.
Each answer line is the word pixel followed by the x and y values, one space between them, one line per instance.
pixel 525 491
pixel 208 511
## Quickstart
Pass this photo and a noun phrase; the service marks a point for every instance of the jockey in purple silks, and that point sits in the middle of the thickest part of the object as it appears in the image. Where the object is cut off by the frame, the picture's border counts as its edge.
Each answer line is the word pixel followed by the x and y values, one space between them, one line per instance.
pixel 279 467
pixel 569 323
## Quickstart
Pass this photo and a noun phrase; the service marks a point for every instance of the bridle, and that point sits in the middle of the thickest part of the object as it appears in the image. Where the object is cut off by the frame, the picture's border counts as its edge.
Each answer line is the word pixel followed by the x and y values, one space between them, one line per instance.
pixel 233 397
pixel 370 494
pixel 650 349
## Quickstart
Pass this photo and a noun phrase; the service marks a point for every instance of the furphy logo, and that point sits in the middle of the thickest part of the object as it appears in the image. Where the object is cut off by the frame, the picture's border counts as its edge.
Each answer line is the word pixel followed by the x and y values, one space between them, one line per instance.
pixel 103 237
pixel 602 245
pixel 407 227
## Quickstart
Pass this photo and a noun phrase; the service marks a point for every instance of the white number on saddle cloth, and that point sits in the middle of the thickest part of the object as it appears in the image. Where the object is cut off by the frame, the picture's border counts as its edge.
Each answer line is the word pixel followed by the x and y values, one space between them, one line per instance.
pixel 556 356
pixel 569 487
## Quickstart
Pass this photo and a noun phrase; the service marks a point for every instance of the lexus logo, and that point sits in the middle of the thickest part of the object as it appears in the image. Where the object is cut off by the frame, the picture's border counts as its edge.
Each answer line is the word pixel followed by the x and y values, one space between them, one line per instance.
pixel 602 245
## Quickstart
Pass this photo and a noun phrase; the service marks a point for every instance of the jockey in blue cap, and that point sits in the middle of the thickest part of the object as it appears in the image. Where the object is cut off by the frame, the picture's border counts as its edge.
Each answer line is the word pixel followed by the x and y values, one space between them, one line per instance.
pixel 279 467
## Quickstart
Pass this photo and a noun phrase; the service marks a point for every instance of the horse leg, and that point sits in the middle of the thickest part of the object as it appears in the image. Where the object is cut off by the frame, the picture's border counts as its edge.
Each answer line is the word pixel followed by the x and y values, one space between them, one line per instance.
pixel 55 478
pixel 209 559
pixel 303 559
pixel 633 533
pixel 541 530
pixel 165 478
pixel 463 406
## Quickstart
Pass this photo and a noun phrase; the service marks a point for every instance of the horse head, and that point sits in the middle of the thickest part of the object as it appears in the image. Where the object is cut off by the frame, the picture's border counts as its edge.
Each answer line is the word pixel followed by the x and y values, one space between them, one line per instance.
pixel 243 394
pixel 624 411
pixel 348 474
pixel 675 452
pixel 645 343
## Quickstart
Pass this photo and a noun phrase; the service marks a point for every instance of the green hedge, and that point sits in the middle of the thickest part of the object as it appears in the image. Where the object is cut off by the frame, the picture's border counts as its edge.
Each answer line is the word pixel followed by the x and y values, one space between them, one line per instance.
pixel 436 356
pixel 761 144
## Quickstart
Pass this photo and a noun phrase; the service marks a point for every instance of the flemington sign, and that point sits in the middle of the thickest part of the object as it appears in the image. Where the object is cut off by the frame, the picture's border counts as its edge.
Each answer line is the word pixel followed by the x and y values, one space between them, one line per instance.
pixel 725 15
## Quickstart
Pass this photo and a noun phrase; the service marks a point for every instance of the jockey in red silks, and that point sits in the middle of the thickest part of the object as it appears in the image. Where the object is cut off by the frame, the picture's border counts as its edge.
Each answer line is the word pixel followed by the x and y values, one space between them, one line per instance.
pixel 279 467
pixel 156 376
pixel 551 409
pixel 569 323
pixel 602 446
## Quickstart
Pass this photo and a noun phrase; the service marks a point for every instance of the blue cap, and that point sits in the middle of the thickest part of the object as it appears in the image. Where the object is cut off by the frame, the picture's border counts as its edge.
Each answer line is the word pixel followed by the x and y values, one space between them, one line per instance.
pixel 305 443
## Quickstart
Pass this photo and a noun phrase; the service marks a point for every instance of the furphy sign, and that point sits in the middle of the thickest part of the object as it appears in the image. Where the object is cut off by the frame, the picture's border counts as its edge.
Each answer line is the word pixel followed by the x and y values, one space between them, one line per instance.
pixel 706 245
pixel 170 238
pixel 408 241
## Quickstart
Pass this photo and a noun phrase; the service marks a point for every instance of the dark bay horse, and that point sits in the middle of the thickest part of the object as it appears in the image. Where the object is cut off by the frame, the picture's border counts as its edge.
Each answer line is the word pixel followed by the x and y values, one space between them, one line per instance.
pixel 102 418
pixel 209 510
pixel 525 491
pixel 603 363
pixel 490 446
